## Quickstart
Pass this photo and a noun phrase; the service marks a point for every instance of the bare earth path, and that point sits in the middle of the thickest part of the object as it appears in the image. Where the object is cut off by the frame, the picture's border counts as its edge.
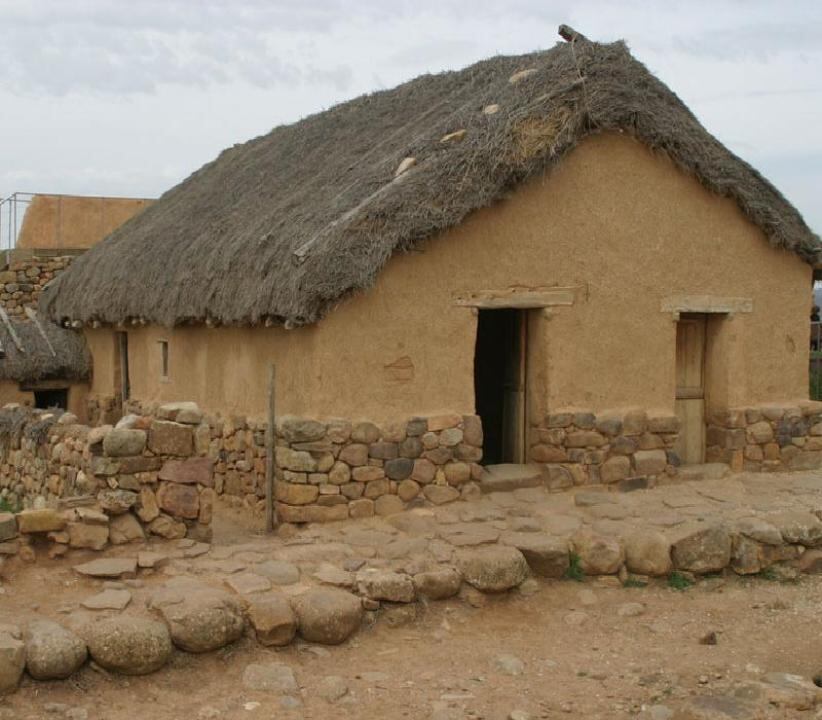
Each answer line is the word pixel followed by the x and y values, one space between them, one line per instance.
pixel 553 648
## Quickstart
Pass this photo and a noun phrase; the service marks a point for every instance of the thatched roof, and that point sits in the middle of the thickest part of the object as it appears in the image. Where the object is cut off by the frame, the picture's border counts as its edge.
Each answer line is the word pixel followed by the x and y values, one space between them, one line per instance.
pixel 63 357
pixel 284 226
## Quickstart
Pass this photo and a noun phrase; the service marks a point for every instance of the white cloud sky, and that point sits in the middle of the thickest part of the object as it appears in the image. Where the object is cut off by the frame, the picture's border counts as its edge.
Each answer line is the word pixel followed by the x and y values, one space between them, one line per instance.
pixel 108 97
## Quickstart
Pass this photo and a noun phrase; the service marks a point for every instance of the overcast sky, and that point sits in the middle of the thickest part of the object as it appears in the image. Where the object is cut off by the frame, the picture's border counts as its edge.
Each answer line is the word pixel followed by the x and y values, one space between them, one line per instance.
pixel 108 97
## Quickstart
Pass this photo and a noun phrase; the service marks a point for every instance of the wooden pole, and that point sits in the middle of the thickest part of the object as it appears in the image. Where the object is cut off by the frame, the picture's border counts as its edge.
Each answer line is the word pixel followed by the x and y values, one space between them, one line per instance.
pixel 270 442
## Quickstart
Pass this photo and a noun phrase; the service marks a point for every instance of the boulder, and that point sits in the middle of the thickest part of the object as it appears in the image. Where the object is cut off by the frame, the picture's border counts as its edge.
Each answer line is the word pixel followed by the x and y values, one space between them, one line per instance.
pixel 386 585
pixel 193 471
pixel 8 526
pixel 438 584
pixel 180 501
pixel 170 438
pixel 187 413
pixel 167 528
pixel 273 619
pixel 440 494
pixel 117 502
pixel 797 527
pixel 108 600
pixel 40 521
pixel 125 529
pixel 547 556
pixel 650 462
pixel 702 549
pixel 122 442
pixel 147 508
pixel 493 568
pixel 128 645
pixel 328 615
pixel 92 537
pixel 598 554
pixel 52 651
pixel 199 618
pixel 12 661
pixel 299 430
pixel 648 552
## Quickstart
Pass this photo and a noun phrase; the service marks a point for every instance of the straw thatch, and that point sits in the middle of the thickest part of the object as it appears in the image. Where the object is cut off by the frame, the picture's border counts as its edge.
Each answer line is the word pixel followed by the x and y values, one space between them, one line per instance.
pixel 68 361
pixel 284 226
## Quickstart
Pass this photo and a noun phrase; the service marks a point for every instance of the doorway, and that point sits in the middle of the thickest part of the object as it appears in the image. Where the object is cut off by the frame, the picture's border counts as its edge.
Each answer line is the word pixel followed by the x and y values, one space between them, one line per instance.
pixel 122 383
pixel 690 387
pixel 499 383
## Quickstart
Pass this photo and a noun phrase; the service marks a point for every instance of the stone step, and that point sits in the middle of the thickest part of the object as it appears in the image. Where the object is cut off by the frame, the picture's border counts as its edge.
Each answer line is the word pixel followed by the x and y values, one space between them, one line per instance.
pixel 704 471
pixel 507 477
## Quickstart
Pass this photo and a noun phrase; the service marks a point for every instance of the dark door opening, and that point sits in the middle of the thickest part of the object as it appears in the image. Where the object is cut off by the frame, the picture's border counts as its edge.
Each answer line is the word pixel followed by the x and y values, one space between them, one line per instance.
pixel 49 399
pixel 121 379
pixel 499 384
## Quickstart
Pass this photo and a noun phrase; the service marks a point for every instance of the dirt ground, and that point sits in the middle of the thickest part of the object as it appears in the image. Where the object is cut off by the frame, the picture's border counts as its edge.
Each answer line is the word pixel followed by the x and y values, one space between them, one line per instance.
pixel 552 649
pixel 581 659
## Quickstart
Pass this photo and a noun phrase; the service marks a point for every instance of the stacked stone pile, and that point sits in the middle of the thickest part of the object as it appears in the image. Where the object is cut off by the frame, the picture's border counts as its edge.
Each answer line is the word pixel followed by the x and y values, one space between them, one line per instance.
pixel 22 283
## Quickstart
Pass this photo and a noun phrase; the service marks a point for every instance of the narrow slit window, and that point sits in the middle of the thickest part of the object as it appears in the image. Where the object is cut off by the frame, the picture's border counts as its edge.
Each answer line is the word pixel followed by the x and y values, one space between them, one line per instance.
pixel 164 359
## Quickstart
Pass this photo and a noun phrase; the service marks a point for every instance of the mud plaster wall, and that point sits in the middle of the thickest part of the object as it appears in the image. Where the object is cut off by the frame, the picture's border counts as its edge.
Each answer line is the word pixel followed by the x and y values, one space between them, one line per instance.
pixel 623 224
pixel 10 392
pixel 61 221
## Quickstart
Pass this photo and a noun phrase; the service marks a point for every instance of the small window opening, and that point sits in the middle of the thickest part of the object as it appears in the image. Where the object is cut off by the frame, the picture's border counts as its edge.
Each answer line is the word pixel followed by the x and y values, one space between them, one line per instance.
pixel 164 359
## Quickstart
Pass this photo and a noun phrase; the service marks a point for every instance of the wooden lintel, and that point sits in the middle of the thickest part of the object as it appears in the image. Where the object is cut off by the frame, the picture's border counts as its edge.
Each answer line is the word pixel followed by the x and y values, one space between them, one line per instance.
pixel 706 304
pixel 45 385
pixel 518 298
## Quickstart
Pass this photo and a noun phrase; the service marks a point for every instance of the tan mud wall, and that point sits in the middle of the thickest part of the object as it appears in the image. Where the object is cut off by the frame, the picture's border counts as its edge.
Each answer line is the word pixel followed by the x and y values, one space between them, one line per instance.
pixel 10 392
pixel 63 221
pixel 620 222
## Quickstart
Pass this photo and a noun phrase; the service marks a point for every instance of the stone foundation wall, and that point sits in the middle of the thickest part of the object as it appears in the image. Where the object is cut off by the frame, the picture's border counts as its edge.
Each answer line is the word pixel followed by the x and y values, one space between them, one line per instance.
pixel 767 438
pixel 631 449
pixel 336 469
pixel 85 487
pixel 23 281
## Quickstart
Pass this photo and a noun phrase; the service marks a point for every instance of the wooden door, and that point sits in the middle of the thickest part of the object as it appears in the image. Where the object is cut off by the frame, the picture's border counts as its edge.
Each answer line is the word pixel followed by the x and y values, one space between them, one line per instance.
pixel 690 388
pixel 513 425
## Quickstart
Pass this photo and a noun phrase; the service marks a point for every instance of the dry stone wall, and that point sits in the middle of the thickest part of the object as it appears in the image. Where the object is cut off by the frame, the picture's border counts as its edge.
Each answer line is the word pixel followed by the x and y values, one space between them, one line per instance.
pixel 83 487
pixel 630 450
pixel 767 438
pixel 23 281
pixel 335 469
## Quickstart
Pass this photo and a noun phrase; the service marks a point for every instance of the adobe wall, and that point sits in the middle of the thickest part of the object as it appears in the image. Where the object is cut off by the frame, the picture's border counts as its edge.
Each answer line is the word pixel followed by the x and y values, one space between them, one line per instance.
pixel 620 224
pixel 10 392
pixel 65 221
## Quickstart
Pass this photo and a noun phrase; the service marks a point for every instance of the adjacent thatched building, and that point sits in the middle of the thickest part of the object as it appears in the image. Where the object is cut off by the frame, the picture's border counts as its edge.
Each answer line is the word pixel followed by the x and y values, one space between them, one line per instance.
pixel 43 365
pixel 551 241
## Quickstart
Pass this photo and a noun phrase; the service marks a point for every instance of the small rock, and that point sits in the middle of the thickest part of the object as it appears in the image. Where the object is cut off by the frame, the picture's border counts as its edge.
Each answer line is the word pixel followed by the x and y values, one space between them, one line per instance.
pixel 331 688
pixel 386 585
pixel 278 572
pixel 631 609
pixel 438 584
pixel 248 583
pixel 709 639
pixel 509 664
pixel 270 677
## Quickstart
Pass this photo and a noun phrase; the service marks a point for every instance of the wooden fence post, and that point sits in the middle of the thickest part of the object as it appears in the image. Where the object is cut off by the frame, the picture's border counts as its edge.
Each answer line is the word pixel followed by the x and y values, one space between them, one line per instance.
pixel 270 449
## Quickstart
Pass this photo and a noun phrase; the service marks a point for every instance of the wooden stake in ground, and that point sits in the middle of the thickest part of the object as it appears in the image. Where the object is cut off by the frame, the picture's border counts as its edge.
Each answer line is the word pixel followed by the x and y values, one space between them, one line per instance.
pixel 270 437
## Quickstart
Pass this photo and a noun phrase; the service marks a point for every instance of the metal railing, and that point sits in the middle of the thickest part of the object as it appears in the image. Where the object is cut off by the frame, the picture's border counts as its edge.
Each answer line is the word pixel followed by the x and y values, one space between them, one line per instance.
pixel 12 210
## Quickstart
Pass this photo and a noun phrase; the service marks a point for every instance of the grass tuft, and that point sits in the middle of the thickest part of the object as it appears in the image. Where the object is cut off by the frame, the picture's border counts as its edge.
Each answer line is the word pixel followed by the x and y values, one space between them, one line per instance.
pixel 678 581
pixel 574 571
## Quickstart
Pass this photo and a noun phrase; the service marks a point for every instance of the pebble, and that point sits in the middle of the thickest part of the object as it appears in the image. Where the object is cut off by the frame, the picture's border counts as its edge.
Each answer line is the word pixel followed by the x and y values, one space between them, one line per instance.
pixel 519 715
pixel 709 639
pixel 575 618
pixel 509 664
pixel 332 688
pixel 631 609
